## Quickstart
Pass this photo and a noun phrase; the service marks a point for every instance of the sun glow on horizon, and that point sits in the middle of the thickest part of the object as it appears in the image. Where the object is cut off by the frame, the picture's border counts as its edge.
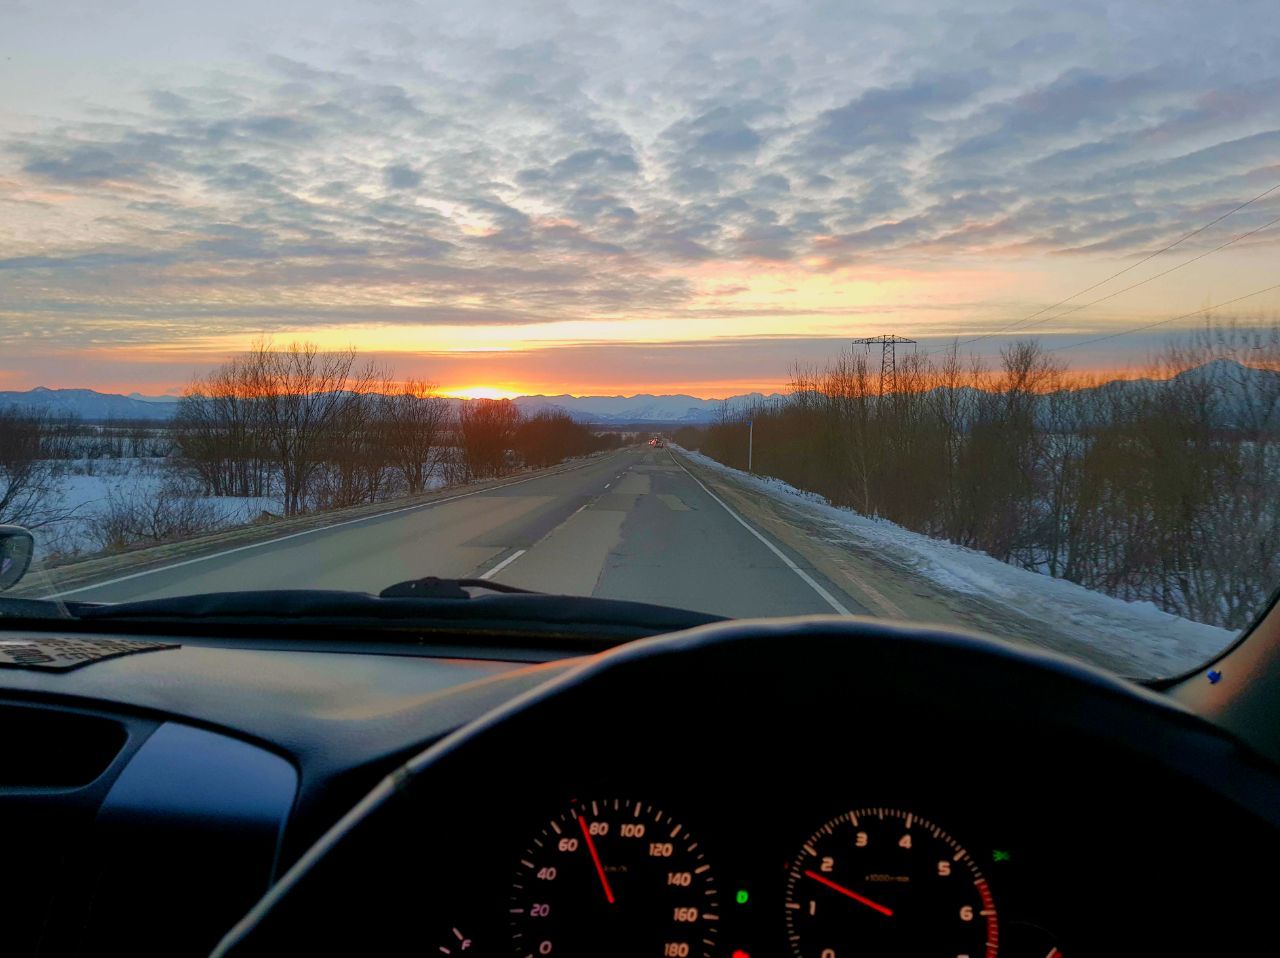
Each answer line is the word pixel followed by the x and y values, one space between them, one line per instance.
pixel 482 392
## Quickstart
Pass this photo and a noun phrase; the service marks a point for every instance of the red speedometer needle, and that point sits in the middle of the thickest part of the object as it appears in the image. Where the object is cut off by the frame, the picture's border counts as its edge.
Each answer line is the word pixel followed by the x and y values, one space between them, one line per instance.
pixel 848 893
pixel 595 857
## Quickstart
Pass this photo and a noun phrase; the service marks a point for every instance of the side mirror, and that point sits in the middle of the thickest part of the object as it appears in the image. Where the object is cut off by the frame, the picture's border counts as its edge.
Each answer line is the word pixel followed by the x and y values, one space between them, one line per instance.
pixel 16 548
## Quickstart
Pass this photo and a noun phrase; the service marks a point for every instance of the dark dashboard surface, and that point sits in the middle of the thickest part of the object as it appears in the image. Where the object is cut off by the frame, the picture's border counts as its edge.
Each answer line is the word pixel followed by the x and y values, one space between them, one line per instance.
pixel 1086 815
pixel 304 699
pixel 185 779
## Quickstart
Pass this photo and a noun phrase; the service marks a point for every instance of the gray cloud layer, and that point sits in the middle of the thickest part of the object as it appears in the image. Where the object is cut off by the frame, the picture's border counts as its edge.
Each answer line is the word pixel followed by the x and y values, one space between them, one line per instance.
pixel 501 164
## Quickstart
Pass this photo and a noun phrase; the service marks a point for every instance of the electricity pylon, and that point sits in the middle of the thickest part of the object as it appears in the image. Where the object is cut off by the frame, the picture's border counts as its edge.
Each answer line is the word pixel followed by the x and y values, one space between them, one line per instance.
pixel 888 360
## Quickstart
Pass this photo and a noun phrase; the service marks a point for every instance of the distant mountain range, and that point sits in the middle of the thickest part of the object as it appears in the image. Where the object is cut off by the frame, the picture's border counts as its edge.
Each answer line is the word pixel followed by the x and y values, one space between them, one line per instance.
pixel 90 405
pixel 678 409
pixel 1243 396
pixel 1241 386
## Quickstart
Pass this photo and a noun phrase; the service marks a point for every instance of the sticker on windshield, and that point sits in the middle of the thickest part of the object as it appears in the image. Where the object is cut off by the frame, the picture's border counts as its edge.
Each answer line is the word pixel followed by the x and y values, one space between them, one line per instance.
pixel 63 654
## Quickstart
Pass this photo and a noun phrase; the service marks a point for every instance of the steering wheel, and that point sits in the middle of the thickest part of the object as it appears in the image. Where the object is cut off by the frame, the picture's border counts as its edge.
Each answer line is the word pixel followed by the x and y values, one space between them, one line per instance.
pixel 754 701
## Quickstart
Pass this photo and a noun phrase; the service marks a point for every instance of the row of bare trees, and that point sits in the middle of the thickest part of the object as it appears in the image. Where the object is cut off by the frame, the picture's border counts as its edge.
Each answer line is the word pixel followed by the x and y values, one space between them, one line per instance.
pixel 1162 489
pixel 553 436
pixel 322 430
pixel 493 435
pixel 315 428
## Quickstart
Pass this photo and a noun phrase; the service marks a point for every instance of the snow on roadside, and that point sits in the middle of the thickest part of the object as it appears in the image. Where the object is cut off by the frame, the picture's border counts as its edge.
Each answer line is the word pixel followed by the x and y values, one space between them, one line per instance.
pixel 1155 643
pixel 85 489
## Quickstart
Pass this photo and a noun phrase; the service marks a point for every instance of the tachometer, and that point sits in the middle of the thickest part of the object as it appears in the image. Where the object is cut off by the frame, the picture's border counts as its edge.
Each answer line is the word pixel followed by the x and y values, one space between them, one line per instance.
pixel 881 881
pixel 614 877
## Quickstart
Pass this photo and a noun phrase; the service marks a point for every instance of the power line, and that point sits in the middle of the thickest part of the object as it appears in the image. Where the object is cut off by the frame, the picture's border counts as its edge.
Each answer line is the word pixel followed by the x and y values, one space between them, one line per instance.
pixel 1164 322
pixel 1131 266
pixel 1143 282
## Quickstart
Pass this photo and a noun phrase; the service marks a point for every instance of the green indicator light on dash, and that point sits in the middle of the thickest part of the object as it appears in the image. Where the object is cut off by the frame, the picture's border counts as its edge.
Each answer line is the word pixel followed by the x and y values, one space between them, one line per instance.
pixel 742 896
pixel 998 855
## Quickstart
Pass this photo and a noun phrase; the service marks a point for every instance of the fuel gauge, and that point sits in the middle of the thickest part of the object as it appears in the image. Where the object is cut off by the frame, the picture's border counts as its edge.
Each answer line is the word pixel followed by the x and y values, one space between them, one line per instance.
pixel 455 943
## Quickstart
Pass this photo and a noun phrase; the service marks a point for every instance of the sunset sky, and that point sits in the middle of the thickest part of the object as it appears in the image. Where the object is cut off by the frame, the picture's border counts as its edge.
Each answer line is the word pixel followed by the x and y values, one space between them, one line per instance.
pixel 617 198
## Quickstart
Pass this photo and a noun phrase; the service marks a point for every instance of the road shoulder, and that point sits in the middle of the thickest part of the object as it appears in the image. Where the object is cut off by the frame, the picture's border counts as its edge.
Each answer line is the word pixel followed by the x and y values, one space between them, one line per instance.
pixel 886 589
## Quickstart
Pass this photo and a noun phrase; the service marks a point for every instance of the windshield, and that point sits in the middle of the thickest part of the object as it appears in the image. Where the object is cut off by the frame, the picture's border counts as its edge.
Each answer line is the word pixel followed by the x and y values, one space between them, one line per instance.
pixel 961 314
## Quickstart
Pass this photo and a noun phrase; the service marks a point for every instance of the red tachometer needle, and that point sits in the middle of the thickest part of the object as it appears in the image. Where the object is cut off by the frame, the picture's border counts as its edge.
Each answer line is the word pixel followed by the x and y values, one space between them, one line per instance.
pixel 849 893
pixel 595 857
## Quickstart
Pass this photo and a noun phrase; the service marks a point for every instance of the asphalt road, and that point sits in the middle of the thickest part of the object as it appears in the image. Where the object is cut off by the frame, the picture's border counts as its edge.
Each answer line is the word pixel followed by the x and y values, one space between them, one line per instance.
pixel 633 525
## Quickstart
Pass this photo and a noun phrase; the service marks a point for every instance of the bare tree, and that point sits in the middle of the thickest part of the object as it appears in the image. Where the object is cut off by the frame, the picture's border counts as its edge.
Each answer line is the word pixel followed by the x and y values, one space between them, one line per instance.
pixel 28 485
pixel 305 397
pixel 486 431
pixel 354 465
pixel 219 433
pixel 415 427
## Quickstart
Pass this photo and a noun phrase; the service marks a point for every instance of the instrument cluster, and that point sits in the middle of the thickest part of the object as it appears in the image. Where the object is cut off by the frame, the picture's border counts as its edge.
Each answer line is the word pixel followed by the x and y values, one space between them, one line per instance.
pixel 632 878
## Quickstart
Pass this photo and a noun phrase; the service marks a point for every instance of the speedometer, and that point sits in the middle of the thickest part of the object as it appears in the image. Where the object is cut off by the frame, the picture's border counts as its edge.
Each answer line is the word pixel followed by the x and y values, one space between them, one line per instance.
pixel 614 877
pixel 882 881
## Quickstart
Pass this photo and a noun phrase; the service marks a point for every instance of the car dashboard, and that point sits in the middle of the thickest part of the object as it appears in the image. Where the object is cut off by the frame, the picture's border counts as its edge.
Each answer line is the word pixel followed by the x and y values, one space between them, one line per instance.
pixel 795 855
pixel 804 788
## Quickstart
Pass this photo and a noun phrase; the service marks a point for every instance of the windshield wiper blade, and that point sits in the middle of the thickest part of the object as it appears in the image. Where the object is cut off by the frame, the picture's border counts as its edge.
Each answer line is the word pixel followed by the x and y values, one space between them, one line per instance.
pixel 432 587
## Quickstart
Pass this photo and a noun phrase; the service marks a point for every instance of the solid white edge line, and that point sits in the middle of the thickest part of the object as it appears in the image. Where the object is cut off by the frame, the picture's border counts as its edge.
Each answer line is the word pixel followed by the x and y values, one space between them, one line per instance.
pixel 830 599
pixel 293 535
pixel 503 564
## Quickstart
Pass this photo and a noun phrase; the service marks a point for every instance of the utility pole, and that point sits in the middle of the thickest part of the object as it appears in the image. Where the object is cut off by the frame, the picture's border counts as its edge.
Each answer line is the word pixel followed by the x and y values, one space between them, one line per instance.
pixel 888 359
pixel 751 435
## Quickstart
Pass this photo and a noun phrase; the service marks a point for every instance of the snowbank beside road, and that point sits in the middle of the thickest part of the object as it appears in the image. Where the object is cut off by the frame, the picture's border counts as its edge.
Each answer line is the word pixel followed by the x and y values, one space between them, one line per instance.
pixel 1152 642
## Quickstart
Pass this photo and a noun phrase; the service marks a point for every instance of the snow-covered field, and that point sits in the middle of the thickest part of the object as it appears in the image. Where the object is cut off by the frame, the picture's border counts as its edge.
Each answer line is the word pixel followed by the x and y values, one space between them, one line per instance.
pixel 1154 642
pixel 108 502
pixel 91 490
